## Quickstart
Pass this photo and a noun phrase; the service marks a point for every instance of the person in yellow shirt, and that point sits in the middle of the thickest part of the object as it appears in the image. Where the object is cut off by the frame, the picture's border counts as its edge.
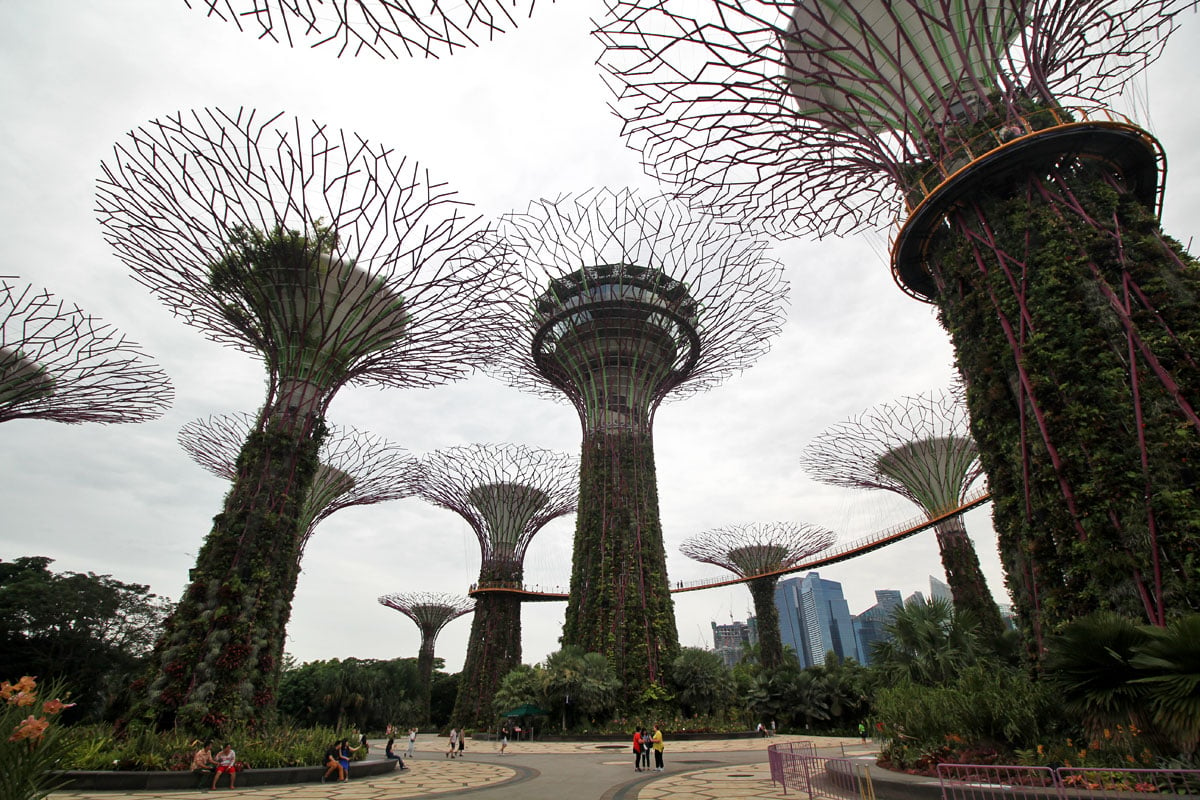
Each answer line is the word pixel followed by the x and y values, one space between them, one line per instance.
pixel 657 739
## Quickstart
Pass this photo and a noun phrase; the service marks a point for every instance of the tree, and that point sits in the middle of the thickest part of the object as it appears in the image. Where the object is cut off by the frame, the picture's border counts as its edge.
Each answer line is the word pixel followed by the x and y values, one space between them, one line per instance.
pixel 87 632
pixel 701 682
pixel 928 643
pixel 1109 671
pixel 368 693
pixel 580 684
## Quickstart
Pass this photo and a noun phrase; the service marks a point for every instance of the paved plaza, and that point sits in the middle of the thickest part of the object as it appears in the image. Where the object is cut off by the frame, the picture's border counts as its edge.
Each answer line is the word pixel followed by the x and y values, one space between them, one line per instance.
pixel 702 770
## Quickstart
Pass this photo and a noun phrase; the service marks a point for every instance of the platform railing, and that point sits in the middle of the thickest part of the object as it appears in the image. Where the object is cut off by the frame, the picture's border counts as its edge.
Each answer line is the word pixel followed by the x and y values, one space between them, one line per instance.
pixel 796 766
pixel 992 782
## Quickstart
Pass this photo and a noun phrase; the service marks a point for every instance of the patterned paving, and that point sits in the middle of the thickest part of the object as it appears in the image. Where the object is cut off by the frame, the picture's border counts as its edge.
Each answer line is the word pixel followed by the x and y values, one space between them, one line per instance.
pixel 687 775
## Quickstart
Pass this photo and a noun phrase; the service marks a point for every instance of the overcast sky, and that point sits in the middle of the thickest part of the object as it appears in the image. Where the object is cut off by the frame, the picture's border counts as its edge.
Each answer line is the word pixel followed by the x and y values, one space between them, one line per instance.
pixel 520 118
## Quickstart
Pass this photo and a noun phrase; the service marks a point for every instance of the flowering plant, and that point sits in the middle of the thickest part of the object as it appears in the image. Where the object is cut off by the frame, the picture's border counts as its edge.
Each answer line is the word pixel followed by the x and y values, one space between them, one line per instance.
pixel 29 743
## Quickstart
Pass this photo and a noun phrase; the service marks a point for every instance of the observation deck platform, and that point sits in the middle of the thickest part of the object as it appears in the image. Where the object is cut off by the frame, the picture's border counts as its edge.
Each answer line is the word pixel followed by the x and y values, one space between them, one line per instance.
pixel 999 153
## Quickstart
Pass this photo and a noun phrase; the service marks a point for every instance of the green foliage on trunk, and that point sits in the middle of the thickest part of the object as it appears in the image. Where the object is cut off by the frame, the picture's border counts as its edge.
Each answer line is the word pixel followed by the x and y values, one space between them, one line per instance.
pixel 620 604
pixel 1072 236
pixel 493 650
pixel 770 642
pixel 217 664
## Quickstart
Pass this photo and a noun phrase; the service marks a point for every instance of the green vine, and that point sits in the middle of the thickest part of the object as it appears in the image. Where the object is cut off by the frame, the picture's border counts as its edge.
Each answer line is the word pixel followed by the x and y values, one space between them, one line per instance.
pixel 218 662
pixel 1077 538
pixel 620 603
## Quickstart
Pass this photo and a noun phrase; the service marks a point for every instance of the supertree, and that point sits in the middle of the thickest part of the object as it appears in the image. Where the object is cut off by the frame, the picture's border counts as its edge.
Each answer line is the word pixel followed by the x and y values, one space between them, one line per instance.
pixel 1029 219
pixel 506 493
pixel 381 28
pixel 760 552
pixel 921 449
pixel 633 300
pixel 58 363
pixel 335 261
pixel 356 468
pixel 432 611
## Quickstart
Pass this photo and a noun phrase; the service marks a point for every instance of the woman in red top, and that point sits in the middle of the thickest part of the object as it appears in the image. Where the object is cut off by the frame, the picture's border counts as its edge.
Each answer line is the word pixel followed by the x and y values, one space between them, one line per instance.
pixel 637 749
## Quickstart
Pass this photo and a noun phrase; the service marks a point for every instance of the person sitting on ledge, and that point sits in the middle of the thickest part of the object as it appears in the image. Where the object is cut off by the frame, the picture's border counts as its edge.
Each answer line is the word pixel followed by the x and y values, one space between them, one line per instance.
pixel 203 764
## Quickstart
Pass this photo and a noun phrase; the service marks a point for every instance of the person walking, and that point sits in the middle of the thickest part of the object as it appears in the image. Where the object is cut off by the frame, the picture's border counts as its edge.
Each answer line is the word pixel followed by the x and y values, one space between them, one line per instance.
pixel 503 739
pixel 462 742
pixel 637 749
pixel 451 750
pixel 226 764
pixel 412 743
pixel 657 739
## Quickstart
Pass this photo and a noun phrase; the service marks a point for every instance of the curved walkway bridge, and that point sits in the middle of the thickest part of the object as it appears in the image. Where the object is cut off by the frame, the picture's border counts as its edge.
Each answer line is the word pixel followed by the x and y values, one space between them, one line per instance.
pixel 834 555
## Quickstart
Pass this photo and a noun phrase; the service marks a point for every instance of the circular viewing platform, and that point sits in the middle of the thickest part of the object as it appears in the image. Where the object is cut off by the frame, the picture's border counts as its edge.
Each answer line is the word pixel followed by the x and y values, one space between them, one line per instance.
pixel 1000 152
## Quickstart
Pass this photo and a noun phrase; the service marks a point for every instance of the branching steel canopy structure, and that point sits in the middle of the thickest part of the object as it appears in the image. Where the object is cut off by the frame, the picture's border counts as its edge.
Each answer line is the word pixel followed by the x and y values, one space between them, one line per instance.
pixel 921 449
pixel 755 549
pixel 506 493
pixel 1029 218
pixel 633 301
pixel 59 363
pixel 333 259
pixel 431 611
pixel 381 28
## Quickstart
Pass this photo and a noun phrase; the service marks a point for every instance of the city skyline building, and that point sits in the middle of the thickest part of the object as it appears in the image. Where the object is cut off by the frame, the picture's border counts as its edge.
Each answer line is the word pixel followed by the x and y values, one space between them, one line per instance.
pixel 814 619
pixel 731 639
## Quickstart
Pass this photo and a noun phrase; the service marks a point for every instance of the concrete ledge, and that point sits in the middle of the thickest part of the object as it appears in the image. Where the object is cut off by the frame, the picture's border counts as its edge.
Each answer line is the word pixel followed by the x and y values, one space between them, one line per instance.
pixel 122 781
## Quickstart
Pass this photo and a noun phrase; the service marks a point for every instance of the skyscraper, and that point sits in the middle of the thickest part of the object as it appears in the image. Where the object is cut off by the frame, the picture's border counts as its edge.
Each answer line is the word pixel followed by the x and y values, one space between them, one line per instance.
pixel 815 619
pixel 868 626
pixel 730 641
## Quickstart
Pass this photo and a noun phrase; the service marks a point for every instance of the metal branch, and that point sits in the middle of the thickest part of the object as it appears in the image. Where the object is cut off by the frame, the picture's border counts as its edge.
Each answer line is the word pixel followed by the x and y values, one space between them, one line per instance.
pixel 755 549
pixel 431 611
pixel 332 258
pixel 506 493
pixel 58 363
pixel 382 28
pixel 357 468
pixel 919 447
pixel 636 299
pixel 811 118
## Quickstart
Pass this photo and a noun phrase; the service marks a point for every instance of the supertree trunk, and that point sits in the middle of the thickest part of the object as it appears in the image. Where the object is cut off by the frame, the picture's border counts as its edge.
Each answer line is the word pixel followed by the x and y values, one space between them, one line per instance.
pixel 620 602
pixel 425 675
pixel 770 642
pixel 965 578
pixel 1074 320
pixel 217 655
pixel 494 650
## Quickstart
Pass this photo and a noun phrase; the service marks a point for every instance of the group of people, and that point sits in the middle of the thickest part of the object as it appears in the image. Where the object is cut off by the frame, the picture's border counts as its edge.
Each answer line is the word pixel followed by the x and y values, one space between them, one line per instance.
pixel 643 743
pixel 224 763
pixel 458 743
pixel 337 759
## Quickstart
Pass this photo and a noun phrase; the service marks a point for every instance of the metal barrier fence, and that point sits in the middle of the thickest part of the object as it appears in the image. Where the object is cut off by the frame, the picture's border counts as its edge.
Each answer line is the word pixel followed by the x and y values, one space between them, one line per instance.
pixel 796 765
pixel 978 782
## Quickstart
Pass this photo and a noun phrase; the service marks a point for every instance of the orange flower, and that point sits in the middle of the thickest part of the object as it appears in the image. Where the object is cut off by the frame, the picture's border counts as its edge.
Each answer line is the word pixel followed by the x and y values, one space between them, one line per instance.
pixel 30 728
pixel 23 699
pixel 8 690
pixel 55 706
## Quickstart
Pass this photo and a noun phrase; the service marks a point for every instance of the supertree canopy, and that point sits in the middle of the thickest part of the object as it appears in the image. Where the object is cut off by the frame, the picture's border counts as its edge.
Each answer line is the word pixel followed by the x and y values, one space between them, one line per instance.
pixel 1029 219
pixel 506 493
pixel 381 28
pixel 760 552
pixel 432 611
pixel 58 363
pixel 334 260
pixel 356 468
pixel 633 300
pixel 919 448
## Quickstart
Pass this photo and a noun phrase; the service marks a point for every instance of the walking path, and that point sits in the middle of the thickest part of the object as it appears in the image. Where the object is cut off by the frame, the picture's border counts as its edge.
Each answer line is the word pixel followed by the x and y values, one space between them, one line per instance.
pixel 728 769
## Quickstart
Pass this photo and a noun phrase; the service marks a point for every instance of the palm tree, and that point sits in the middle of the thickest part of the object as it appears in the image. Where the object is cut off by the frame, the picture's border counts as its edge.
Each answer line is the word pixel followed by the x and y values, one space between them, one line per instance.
pixel 928 643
